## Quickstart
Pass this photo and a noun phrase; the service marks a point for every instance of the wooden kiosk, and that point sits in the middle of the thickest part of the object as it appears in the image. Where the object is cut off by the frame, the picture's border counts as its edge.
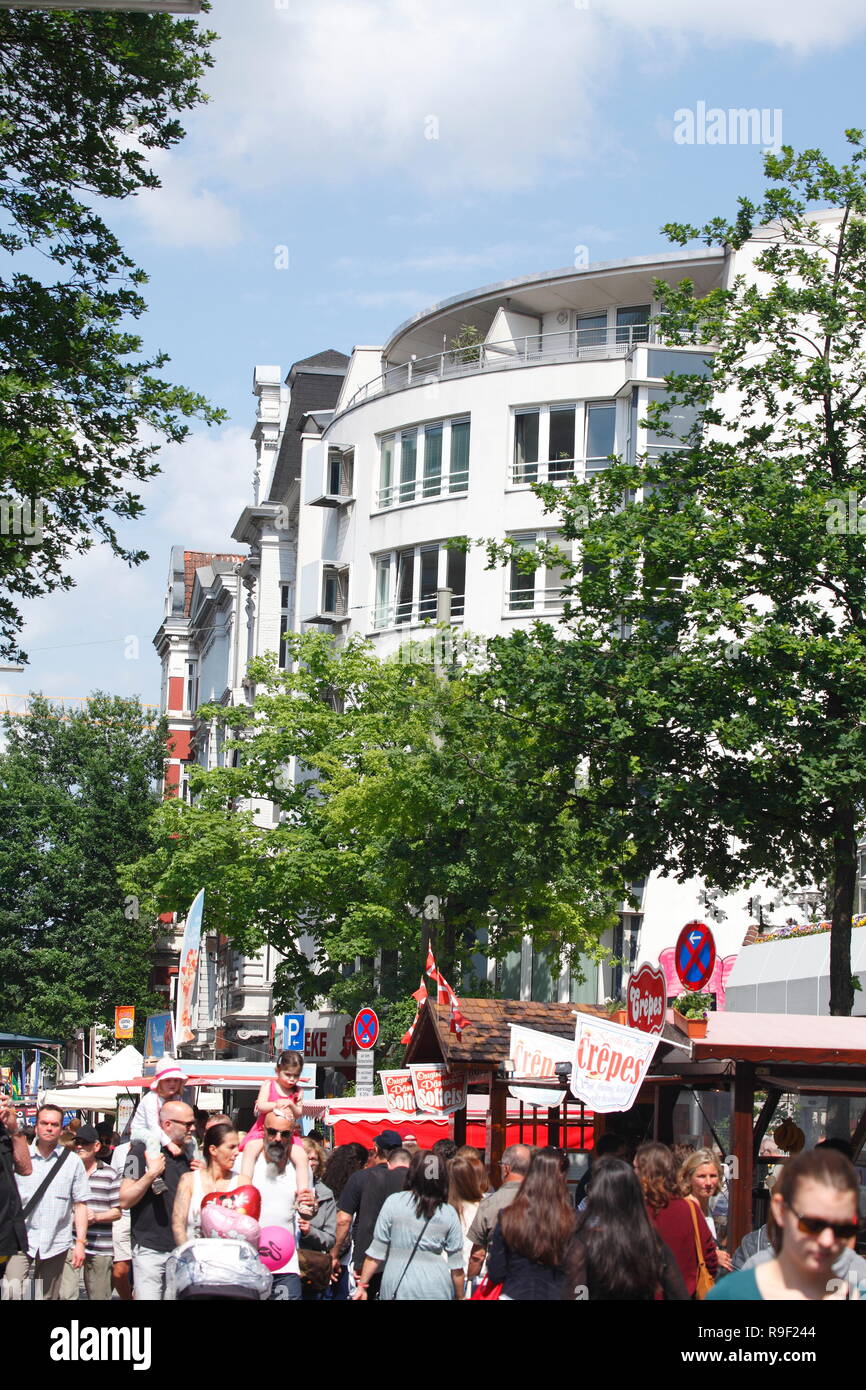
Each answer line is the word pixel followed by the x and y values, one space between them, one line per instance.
pixel 743 1053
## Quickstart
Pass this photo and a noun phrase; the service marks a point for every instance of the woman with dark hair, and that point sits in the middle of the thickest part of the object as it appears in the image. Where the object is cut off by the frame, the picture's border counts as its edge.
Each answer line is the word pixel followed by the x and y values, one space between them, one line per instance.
pixel 812 1218
pixel 616 1253
pixel 679 1223
pixel 345 1160
pixel 531 1238
pixel 219 1150
pixel 414 1230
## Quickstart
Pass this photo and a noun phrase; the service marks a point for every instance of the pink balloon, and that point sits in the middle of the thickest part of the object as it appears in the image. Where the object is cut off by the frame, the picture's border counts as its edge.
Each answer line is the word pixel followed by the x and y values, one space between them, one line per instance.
pixel 276 1246
pixel 229 1224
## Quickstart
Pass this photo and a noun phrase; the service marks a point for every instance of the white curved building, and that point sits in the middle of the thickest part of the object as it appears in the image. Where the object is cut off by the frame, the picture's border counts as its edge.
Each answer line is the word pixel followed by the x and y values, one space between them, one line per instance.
pixel 355 497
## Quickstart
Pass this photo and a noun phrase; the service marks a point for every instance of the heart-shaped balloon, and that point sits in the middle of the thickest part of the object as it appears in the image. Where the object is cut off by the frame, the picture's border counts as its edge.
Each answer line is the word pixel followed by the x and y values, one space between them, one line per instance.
pixel 228 1224
pixel 246 1199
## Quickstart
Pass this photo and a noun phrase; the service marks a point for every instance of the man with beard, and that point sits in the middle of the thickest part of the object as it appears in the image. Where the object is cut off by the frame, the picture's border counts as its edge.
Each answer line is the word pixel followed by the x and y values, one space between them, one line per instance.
pixel 274 1176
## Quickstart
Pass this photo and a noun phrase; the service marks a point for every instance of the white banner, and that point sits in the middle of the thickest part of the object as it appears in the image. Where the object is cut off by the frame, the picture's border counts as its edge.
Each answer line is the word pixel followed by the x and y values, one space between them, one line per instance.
pixel 609 1063
pixel 536 1054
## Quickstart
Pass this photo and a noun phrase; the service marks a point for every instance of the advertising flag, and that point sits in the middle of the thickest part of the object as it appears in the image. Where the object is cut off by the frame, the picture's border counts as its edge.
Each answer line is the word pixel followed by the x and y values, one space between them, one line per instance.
pixel 187 976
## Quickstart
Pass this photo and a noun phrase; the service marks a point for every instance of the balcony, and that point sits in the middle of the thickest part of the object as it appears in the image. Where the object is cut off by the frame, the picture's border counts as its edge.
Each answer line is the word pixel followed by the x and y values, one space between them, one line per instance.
pixel 538 349
pixel 423 489
pixel 413 612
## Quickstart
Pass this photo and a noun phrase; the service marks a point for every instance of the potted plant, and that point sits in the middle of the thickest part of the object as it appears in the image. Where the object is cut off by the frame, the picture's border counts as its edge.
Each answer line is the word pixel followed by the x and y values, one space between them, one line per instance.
pixel 616 1010
pixel 690 1013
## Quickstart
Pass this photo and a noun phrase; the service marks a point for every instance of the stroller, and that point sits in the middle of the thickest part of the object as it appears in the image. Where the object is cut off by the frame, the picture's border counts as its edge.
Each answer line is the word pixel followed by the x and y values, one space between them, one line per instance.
pixel 217 1267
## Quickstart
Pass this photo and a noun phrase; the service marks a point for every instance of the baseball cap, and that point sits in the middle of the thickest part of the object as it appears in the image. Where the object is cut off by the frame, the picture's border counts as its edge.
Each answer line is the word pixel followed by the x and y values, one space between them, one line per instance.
pixel 87 1134
pixel 388 1139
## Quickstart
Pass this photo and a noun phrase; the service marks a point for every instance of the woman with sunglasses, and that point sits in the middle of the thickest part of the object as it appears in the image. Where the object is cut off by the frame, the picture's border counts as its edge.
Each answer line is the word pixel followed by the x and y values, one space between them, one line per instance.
pixel 220 1149
pixel 812 1220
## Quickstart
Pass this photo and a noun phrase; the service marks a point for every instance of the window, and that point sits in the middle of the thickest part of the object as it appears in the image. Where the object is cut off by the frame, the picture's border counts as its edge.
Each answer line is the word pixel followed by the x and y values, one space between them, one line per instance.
pixel 408 465
pixel 666 362
pixel 423 462
pixel 459 470
pixel 600 435
pixel 555 443
pixel 673 430
pixel 335 591
pixel 192 685
pixel 285 600
pixel 341 469
pixel 591 330
pixel 414 577
pixel 632 325
pixel 526 446
pixel 432 461
pixel 540 588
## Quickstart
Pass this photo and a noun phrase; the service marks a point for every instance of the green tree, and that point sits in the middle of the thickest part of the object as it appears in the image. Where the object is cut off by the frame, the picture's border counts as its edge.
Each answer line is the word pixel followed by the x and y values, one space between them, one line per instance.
pixel 417 826
pixel 84 97
pixel 713 669
pixel 76 793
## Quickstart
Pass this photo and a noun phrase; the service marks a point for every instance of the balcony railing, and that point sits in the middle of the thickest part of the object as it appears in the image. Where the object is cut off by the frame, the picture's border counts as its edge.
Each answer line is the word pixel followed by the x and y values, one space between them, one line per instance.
pixel 533 600
pixel 413 612
pixel 567 345
pixel 557 470
pixel 421 489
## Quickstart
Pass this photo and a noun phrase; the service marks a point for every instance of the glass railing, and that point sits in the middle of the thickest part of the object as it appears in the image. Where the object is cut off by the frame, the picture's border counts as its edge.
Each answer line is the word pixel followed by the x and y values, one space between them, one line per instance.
pixel 567 345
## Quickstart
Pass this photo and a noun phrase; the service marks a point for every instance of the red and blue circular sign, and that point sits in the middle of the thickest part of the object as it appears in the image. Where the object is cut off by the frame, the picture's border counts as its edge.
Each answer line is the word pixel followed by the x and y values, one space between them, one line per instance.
pixel 365 1029
pixel 695 955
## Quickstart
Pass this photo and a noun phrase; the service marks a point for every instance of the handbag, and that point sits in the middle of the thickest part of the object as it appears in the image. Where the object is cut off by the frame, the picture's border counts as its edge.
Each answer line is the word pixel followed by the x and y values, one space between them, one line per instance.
pixel 705 1280
pixel 46 1182
pixel 315 1267
pixel 485 1292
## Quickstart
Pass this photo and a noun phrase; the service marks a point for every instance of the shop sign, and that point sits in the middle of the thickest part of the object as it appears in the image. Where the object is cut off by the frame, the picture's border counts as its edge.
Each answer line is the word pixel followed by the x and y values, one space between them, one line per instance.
pixel 647 999
pixel 609 1063
pixel 437 1088
pixel 399 1092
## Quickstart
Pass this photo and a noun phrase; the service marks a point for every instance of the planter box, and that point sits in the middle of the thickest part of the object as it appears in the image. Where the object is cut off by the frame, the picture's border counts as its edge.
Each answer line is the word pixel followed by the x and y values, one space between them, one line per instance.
pixel 693 1027
pixel 621 1016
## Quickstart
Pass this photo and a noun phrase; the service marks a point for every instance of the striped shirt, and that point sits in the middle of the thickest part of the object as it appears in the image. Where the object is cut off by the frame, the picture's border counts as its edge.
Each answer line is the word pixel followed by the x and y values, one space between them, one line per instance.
pixel 49 1227
pixel 104 1183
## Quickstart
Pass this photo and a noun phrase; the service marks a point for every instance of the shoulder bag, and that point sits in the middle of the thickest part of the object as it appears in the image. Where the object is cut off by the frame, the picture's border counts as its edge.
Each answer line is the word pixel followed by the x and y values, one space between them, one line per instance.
pixel 705 1280
pixel 46 1182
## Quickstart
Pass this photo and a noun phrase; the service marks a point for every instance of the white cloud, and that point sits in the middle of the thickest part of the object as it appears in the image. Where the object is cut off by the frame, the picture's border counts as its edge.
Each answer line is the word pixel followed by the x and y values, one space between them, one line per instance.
pixel 342 90
pixel 183 212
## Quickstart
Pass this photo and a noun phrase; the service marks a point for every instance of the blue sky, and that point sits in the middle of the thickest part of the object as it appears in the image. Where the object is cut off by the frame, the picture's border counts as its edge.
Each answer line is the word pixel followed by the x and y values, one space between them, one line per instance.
pixel 555 129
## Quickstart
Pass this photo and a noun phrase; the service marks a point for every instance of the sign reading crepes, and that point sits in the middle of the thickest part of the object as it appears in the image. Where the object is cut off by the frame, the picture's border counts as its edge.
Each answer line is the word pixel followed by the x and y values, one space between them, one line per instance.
pixel 609 1063
pixel 437 1088
pixel 647 999
pixel 536 1054
pixel 399 1092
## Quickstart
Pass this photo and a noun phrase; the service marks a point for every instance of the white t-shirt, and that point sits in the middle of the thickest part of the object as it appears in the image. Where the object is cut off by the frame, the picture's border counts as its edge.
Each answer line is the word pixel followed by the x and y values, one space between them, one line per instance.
pixel 278 1203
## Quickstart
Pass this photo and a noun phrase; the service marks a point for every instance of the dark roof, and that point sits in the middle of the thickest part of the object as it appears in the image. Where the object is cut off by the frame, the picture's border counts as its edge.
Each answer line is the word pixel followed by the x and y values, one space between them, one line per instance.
pixel 315 383
pixel 487 1039
pixel 330 358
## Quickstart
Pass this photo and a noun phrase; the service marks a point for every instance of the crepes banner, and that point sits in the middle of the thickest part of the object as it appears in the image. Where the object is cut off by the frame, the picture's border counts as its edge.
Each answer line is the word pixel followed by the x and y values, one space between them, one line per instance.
pixel 609 1063
pixel 399 1092
pixel 437 1088
pixel 536 1054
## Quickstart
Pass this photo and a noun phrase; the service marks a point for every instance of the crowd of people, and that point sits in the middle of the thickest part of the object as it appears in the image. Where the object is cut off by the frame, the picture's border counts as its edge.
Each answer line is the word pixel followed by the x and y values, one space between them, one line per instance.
pixel 400 1223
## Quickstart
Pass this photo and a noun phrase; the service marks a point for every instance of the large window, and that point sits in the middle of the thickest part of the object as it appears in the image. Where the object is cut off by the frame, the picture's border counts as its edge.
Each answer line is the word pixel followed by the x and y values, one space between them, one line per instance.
pixel 419 463
pixel 673 429
pixel 540 588
pixel 555 443
pixel 407 583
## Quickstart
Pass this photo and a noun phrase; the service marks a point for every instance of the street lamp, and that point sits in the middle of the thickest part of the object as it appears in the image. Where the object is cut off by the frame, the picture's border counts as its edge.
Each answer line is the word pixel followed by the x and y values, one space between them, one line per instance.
pixel 136 6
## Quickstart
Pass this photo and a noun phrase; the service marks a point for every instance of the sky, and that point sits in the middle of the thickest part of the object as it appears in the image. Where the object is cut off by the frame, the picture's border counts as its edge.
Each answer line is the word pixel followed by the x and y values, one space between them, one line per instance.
pixel 397 152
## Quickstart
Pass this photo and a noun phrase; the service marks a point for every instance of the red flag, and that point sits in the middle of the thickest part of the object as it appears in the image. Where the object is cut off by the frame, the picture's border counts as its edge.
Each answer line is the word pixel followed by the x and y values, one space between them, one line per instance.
pixel 420 994
pixel 446 995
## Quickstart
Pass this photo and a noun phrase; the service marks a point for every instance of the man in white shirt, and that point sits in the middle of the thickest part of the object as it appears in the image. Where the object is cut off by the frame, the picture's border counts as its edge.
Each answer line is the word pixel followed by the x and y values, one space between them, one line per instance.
pixel 37 1274
pixel 274 1176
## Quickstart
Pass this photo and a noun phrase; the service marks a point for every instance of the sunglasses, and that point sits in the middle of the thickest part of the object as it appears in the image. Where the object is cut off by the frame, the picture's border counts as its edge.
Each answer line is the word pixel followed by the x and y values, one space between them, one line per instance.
pixel 278 1133
pixel 816 1225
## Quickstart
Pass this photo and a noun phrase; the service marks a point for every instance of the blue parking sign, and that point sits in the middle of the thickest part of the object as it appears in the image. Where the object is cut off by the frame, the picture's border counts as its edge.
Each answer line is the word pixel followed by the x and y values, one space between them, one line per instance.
pixel 293 1033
